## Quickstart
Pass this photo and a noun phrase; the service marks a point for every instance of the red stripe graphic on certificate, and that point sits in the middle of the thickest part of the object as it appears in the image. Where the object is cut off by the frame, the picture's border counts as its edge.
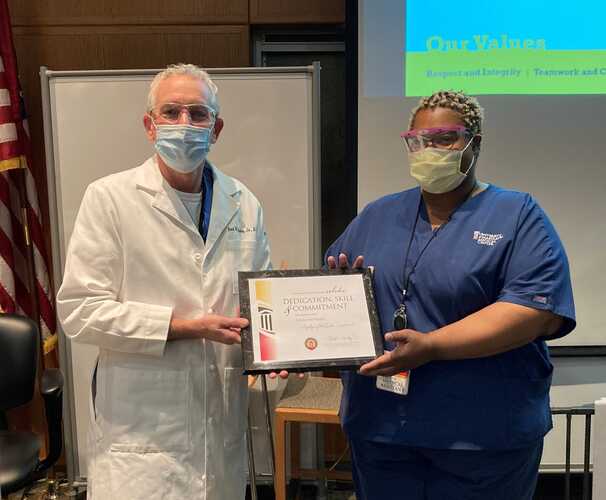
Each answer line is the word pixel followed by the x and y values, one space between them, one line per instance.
pixel 267 335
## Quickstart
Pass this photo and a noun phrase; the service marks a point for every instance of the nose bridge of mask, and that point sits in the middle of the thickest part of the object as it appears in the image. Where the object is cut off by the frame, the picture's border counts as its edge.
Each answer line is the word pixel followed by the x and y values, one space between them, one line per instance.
pixel 444 157
pixel 436 157
pixel 185 133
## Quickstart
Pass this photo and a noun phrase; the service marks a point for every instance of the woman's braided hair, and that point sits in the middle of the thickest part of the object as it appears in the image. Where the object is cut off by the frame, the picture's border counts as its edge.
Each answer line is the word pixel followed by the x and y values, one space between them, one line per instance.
pixel 468 107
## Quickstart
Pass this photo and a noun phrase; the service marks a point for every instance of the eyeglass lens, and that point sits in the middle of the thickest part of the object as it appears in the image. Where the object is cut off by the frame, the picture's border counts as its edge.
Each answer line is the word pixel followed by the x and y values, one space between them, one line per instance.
pixel 198 113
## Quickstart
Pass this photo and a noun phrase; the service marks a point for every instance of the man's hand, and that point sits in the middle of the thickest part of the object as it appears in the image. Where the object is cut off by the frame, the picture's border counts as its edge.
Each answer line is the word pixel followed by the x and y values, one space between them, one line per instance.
pixel 222 329
pixel 283 374
pixel 413 349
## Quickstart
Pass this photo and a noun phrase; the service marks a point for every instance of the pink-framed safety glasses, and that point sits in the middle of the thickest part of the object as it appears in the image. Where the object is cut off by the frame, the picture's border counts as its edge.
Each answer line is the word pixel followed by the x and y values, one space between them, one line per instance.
pixel 438 137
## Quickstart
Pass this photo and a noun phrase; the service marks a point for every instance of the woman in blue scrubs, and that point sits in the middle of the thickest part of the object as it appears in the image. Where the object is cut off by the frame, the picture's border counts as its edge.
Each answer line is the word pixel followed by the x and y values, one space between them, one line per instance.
pixel 470 281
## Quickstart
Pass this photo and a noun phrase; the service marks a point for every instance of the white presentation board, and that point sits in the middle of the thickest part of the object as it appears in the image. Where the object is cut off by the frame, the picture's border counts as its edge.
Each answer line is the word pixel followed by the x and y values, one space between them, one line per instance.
pixel 93 127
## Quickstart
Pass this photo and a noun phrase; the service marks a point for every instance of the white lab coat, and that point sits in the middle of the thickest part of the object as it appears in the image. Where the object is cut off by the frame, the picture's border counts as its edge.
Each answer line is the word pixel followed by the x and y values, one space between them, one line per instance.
pixel 168 420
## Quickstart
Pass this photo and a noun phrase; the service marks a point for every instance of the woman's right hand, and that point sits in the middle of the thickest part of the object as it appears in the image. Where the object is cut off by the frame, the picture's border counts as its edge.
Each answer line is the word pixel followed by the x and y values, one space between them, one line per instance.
pixel 343 262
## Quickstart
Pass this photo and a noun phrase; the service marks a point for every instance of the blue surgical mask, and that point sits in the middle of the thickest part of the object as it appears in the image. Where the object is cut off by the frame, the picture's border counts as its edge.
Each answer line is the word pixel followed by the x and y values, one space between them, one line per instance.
pixel 183 147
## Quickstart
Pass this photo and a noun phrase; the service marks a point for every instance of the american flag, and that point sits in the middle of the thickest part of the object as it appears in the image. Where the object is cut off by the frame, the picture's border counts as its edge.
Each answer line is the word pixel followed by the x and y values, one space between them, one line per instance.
pixel 21 235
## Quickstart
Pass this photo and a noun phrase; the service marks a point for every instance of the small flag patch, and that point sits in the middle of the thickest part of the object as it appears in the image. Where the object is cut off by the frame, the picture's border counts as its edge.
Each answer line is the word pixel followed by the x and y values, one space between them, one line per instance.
pixel 540 299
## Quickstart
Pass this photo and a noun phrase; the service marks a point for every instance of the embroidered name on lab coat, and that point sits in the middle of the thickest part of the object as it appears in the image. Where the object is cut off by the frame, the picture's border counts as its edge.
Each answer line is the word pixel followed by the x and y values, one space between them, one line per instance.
pixel 242 229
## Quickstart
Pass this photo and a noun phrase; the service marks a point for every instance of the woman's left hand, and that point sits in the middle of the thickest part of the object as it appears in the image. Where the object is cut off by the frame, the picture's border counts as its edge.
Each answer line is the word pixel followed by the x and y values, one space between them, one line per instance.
pixel 413 349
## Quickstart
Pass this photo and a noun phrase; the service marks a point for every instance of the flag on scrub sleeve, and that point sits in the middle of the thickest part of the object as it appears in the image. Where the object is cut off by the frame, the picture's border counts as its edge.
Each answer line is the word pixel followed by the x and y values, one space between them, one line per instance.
pixel 20 218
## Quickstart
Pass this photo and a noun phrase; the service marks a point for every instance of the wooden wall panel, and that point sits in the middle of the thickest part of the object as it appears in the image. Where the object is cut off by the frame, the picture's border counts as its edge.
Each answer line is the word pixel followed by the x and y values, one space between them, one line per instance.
pixel 114 12
pixel 295 12
pixel 157 46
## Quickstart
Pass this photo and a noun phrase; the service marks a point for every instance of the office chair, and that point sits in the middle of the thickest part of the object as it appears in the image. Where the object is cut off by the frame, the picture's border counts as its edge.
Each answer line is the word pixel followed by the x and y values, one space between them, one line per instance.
pixel 19 451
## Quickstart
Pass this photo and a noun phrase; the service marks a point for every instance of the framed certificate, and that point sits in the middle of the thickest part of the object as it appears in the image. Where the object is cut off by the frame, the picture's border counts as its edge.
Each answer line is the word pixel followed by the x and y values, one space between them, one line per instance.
pixel 305 320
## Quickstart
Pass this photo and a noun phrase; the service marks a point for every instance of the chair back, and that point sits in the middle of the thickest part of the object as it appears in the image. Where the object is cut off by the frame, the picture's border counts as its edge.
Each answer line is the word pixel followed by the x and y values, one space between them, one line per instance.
pixel 19 343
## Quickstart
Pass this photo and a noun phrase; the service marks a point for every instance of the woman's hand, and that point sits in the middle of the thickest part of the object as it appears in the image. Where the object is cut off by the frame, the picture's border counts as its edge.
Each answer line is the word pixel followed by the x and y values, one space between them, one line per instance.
pixel 343 263
pixel 413 350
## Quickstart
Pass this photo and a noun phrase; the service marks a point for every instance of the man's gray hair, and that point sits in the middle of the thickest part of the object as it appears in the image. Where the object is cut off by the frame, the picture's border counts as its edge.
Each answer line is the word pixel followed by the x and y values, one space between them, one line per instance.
pixel 184 69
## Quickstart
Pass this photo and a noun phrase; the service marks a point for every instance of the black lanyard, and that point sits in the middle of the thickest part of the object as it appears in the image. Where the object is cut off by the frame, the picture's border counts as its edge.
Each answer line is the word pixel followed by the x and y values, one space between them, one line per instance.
pixel 400 319
pixel 405 277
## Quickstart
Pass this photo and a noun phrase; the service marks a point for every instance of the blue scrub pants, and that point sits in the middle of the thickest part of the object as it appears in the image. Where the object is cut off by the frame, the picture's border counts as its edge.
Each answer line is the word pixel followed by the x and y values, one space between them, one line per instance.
pixel 391 472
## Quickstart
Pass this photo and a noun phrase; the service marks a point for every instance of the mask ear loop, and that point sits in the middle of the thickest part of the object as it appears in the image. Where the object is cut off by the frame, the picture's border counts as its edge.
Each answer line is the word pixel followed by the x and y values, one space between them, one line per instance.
pixel 473 160
pixel 151 117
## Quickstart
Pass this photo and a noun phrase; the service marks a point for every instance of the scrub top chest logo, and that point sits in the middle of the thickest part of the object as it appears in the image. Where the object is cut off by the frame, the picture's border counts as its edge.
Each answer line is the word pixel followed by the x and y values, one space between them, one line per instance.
pixel 487 239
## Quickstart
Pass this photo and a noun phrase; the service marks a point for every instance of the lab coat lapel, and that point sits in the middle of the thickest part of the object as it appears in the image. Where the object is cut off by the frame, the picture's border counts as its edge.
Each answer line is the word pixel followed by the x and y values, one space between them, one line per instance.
pixel 170 205
pixel 165 200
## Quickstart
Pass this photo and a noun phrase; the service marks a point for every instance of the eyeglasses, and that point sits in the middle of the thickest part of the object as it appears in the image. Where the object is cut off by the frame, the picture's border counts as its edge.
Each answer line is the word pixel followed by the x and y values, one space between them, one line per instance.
pixel 199 114
pixel 439 137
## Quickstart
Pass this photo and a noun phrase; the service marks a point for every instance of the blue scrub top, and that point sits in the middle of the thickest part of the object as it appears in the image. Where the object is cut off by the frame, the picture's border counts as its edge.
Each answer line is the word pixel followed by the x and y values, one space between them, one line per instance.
pixel 498 246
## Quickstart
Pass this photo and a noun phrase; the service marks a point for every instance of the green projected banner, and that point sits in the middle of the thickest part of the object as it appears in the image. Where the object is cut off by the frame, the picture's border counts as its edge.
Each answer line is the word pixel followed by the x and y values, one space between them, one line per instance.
pixel 512 71
pixel 560 52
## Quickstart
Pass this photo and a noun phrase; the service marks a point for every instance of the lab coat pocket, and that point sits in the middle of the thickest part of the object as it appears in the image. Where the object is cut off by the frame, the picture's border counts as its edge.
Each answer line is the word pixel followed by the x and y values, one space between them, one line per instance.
pixel 241 248
pixel 240 242
pixel 235 407
pixel 149 408
pixel 242 253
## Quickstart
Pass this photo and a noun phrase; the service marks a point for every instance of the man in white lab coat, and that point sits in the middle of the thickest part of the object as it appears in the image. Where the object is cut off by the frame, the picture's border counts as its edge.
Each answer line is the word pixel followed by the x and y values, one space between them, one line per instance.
pixel 151 279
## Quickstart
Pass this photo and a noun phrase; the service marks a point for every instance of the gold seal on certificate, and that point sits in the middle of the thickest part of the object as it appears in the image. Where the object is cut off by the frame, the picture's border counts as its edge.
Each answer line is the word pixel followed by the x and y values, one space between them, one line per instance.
pixel 303 320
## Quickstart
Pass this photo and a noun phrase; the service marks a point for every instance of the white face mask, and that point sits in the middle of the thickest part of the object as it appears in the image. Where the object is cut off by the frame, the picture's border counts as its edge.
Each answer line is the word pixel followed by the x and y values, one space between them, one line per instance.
pixel 438 170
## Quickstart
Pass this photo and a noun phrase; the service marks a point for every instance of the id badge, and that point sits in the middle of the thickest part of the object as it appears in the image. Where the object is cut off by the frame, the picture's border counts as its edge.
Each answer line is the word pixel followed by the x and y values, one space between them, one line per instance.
pixel 398 383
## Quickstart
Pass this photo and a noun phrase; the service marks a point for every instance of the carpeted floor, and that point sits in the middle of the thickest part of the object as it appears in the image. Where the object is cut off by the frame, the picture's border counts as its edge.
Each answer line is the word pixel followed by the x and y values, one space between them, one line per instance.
pixel 549 487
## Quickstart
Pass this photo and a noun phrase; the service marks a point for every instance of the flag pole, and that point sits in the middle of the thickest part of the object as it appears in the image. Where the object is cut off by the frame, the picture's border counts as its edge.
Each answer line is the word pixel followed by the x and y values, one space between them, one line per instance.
pixel 20 177
pixel 35 406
